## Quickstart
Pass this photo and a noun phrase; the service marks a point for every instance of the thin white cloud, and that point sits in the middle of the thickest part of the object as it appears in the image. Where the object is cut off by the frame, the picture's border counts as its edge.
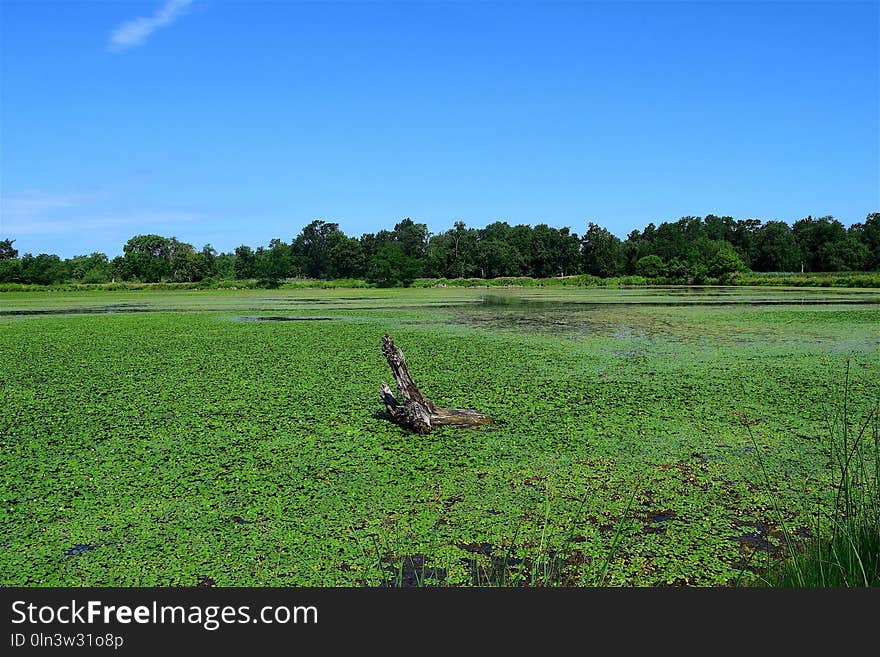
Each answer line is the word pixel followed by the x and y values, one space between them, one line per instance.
pixel 58 227
pixel 36 203
pixel 135 32
pixel 144 220
pixel 37 213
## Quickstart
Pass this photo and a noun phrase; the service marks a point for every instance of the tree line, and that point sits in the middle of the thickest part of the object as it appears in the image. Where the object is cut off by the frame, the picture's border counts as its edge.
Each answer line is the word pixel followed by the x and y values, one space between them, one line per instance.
pixel 692 249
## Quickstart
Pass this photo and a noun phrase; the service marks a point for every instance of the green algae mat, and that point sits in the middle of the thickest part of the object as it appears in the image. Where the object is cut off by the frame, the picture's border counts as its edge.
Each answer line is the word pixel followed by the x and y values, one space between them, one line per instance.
pixel 236 438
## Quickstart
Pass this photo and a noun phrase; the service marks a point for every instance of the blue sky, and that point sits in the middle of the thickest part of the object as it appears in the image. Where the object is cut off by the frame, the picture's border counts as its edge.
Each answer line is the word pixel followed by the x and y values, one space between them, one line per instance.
pixel 235 122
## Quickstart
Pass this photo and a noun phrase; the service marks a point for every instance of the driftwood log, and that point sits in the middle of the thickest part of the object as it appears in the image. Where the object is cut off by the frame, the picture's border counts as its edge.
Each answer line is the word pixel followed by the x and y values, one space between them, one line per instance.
pixel 414 411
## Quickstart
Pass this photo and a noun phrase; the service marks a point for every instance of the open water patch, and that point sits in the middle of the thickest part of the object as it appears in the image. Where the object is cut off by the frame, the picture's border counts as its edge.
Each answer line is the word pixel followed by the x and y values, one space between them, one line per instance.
pixel 525 303
pixel 109 309
pixel 285 318
pixel 78 549
pixel 411 571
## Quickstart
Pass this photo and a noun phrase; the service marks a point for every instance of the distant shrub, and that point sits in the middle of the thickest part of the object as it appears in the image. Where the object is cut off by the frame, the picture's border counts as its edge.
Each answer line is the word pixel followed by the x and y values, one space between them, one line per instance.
pixel 650 266
pixel 267 283
pixel 664 276
pixel 310 283
pixel 809 279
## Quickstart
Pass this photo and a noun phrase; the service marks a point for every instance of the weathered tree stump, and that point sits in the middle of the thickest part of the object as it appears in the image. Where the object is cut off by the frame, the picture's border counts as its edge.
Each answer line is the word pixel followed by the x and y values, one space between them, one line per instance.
pixel 417 412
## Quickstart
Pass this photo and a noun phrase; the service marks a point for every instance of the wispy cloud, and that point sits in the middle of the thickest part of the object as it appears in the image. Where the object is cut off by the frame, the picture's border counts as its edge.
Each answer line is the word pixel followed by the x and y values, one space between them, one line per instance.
pixel 135 32
pixel 58 214
pixel 144 221
pixel 35 203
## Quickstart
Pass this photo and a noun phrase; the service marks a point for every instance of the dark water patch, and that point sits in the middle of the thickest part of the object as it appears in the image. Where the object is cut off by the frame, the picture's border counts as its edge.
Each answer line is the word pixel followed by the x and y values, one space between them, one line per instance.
pixel 411 571
pixel 477 548
pixel 577 319
pixel 117 310
pixel 555 323
pixel 755 540
pixel 501 567
pixel 556 304
pixel 205 582
pixel 125 306
pixel 79 548
pixel 412 307
pixel 85 310
pixel 359 298
pixel 759 539
pixel 299 300
pixel 498 570
pixel 706 458
pixel 106 310
pixel 333 299
pixel 285 318
pixel 657 526
pixel 656 522
pixel 449 502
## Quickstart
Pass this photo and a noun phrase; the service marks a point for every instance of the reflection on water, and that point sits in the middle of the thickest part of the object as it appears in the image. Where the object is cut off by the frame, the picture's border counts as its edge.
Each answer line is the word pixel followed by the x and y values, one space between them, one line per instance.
pixel 587 309
pixel 685 296
pixel 286 318
pixel 686 315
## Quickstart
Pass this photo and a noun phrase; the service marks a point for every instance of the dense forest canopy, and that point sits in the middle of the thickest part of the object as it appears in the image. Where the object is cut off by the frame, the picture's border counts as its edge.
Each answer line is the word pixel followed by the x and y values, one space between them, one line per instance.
pixel 691 249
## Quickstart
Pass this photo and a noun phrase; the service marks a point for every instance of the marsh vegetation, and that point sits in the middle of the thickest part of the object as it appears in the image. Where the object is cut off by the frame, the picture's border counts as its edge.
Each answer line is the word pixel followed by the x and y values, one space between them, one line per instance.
pixel 641 437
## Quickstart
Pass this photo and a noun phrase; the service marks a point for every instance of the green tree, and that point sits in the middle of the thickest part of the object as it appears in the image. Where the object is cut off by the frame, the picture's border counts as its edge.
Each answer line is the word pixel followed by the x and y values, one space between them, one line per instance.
pixel 498 258
pixel 650 266
pixel 389 266
pixel 276 262
pixel 520 236
pixel 818 240
pixel 223 266
pixel 497 252
pixel 725 261
pixel 680 239
pixel 147 258
pixel 118 269
pixel 245 263
pixel 462 261
pixel 412 238
pixel 208 258
pixel 868 233
pixel 439 255
pixel 187 265
pixel 676 270
pixel 311 248
pixel 554 251
pixel 776 248
pixel 43 269
pixel 7 252
pixel 94 268
pixel 345 256
pixel 10 270
pixel 632 250
pixel 601 252
pixel 743 237
pixel 718 228
pixel 848 254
